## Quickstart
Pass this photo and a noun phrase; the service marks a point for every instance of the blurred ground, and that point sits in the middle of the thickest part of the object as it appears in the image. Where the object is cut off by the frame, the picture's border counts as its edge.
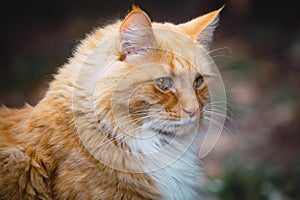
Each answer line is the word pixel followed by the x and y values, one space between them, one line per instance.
pixel 261 70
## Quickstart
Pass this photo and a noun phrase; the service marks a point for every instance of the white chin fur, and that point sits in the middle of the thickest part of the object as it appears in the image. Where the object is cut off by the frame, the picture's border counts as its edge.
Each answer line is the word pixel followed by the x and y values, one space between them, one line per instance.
pixel 173 162
pixel 170 127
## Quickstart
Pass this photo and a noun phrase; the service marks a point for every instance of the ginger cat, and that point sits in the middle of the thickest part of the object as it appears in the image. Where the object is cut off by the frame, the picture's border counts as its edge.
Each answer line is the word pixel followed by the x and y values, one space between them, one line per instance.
pixel 120 119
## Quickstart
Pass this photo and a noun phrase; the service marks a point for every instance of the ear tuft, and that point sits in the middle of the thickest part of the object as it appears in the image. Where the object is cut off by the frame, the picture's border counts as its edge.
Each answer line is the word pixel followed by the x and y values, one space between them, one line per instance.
pixel 136 8
pixel 202 28
pixel 136 33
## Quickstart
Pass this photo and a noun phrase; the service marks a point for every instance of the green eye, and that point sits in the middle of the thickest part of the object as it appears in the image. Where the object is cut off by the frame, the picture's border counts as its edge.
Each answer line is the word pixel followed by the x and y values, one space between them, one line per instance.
pixel 164 83
pixel 199 81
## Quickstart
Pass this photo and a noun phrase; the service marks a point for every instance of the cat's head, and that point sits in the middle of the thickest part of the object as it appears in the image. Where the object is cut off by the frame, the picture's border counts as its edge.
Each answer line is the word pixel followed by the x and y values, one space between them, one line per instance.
pixel 160 80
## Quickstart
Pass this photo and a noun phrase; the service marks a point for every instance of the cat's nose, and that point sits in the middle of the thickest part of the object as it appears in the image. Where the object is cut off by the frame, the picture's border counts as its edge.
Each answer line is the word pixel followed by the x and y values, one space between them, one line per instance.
pixel 191 111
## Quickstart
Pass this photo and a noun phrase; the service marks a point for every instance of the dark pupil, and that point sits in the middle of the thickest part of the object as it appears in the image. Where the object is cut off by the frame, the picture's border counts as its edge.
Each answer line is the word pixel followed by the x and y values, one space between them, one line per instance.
pixel 199 81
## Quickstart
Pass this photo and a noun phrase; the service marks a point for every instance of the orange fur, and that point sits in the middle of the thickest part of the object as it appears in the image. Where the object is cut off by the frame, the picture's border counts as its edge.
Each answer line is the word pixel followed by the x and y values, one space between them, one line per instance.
pixel 54 151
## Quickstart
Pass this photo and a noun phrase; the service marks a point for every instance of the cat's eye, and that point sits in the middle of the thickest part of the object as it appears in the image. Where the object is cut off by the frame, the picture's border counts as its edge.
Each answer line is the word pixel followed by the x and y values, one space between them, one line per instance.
pixel 164 83
pixel 199 81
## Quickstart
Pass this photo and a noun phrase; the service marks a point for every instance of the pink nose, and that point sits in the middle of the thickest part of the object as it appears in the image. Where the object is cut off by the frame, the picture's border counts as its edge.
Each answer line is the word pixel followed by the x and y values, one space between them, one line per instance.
pixel 191 112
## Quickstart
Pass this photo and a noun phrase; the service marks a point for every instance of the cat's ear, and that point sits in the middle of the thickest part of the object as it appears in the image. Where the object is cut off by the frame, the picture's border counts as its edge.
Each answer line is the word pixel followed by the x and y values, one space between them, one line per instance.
pixel 136 34
pixel 202 28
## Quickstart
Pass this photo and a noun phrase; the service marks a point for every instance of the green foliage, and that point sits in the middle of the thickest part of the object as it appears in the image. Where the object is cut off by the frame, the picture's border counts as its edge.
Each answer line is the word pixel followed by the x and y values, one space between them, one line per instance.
pixel 260 181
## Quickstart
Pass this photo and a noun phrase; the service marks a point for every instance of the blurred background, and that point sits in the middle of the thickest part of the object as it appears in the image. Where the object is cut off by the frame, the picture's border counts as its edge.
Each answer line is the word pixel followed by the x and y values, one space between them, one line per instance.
pixel 257 49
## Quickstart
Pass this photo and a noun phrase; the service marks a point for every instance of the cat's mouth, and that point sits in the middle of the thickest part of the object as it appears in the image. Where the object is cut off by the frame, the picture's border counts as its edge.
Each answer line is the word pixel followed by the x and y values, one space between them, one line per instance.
pixel 167 127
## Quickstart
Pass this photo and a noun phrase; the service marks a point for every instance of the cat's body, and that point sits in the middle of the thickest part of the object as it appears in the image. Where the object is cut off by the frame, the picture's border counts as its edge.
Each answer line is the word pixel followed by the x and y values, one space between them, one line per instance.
pixel 73 144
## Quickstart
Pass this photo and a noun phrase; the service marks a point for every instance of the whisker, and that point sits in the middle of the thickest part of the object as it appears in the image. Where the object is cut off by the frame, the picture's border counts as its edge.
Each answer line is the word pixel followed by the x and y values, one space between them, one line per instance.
pixel 218 109
pixel 219 49
pixel 121 136
pixel 224 56
pixel 225 116
pixel 219 103
pixel 218 124
pixel 215 102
